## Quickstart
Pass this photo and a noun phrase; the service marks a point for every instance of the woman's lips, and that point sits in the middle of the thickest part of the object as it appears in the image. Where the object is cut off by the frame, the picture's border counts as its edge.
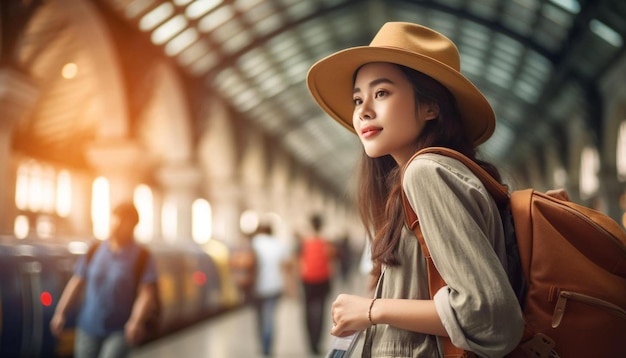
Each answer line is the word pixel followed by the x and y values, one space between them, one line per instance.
pixel 368 132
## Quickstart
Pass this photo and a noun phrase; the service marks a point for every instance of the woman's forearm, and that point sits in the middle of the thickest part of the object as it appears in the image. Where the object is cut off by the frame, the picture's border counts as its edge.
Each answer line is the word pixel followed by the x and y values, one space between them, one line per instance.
pixel 412 315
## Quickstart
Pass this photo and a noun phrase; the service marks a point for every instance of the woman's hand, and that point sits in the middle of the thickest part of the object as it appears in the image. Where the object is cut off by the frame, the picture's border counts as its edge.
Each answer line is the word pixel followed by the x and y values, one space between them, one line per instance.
pixel 350 314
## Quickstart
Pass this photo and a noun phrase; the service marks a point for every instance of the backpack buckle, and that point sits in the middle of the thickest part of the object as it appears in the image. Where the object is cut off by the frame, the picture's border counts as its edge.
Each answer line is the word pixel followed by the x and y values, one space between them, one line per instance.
pixel 540 346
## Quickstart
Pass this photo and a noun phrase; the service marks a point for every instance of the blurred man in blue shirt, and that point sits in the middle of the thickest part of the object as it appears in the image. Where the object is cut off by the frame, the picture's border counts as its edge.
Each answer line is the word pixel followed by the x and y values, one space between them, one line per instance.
pixel 117 302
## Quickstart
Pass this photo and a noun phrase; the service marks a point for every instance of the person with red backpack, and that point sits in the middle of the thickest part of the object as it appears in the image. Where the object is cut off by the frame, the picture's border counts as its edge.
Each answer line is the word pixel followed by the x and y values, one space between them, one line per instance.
pixel 315 259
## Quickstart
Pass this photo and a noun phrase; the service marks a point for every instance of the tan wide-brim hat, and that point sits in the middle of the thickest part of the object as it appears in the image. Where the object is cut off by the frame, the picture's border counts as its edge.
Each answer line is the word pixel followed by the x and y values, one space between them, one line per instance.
pixel 330 79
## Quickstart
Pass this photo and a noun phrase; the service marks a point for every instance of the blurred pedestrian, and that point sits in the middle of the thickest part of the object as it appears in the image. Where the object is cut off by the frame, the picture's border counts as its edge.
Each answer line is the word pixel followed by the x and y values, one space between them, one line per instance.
pixel 345 257
pixel 243 265
pixel 315 262
pixel 272 280
pixel 115 307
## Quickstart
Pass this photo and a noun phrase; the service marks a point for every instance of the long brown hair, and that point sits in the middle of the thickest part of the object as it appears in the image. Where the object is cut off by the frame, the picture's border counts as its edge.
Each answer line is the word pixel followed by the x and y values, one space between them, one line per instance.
pixel 379 192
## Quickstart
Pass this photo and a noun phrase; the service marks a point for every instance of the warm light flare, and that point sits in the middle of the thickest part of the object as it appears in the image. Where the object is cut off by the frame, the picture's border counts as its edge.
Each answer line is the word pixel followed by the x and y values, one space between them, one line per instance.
pixel 35 187
pixel 589 167
pixel 144 203
pixel 48 190
pixel 21 227
pixel 169 221
pixel 202 224
pixel 64 193
pixel 100 208
pixel 248 222
pixel 69 71
pixel 21 187
pixel 621 152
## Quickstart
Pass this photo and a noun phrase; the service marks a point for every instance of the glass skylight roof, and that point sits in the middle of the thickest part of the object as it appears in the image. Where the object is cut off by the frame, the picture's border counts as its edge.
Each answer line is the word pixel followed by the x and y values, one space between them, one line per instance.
pixel 256 54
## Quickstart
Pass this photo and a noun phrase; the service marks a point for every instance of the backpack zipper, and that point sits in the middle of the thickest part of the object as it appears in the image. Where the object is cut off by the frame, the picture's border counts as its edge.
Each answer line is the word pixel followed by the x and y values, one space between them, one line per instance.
pixel 564 296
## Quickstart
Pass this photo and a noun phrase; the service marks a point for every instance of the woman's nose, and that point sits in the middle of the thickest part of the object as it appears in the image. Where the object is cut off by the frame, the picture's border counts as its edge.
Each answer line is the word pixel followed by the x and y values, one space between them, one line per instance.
pixel 365 111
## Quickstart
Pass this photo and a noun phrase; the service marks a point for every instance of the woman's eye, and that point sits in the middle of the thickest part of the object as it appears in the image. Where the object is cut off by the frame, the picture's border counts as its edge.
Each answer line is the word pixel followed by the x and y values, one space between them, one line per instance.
pixel 381 93
pixel 357 101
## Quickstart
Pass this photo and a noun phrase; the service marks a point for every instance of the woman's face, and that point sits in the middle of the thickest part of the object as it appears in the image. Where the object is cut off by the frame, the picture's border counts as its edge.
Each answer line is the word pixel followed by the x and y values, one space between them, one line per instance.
pixel 385 116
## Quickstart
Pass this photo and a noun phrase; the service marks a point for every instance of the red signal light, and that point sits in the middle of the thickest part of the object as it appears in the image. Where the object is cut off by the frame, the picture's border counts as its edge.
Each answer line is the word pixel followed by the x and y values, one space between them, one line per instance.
pixel 199 278
pixel 45 298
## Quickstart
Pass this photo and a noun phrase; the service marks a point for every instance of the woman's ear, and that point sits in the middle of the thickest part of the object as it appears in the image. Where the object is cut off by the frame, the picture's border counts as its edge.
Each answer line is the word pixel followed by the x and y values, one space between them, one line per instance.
pixel 431 111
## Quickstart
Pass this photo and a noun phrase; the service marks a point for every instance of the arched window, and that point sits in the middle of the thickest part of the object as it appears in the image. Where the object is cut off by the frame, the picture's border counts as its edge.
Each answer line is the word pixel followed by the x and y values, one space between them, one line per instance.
pixel 620 156
pixel 64 193
pixel 100 208
pixel 201 222
pixel 169 221
pixel 144 202
pixel 589 167
pixel 621 152
pixel 41 191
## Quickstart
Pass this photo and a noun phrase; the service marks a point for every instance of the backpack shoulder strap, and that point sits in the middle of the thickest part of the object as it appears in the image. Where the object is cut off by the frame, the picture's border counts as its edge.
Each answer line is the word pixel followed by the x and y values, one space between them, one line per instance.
pixel 498 191
pixel 92 249
pixel 140 265
pixel 140 268
pixel 500 194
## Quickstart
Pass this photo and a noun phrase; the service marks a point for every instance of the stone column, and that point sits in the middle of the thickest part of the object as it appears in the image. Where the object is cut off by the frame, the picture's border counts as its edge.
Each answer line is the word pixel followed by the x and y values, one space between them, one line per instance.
pixel 218 159
pixel 17 96
pixel 300 204
pixel 254 174
pixel 225 196
pixel 280 191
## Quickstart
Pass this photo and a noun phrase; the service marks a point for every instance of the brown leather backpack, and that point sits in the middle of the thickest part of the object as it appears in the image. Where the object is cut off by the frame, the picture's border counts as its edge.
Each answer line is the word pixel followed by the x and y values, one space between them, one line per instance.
pixel 573 267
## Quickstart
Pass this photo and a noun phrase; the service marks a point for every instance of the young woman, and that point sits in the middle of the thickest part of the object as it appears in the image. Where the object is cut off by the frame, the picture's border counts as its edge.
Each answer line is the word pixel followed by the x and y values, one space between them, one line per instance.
pixel 402 93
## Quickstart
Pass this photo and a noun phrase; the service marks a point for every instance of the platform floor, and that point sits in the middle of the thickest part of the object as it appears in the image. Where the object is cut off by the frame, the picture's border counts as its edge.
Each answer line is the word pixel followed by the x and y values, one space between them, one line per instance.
pixel 233 334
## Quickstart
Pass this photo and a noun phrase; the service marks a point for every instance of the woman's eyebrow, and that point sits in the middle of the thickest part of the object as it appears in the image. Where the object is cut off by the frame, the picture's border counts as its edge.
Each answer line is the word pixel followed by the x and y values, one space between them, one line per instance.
pixel 375 82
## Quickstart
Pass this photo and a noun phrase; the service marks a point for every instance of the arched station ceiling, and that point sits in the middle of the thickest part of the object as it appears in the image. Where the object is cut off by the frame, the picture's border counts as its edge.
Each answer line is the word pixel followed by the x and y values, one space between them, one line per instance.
pixel 535 60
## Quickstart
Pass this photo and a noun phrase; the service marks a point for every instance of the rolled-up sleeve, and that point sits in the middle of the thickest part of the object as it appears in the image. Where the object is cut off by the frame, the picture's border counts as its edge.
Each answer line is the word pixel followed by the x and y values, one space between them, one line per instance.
pixel 463 232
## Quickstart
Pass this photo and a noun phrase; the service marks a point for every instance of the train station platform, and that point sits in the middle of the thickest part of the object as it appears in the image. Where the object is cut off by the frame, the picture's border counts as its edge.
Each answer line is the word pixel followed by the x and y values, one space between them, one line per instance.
pixel 233 334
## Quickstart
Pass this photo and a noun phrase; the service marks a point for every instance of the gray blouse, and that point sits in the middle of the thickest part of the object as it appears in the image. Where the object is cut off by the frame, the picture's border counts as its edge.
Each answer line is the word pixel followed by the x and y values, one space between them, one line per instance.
pixel 463 231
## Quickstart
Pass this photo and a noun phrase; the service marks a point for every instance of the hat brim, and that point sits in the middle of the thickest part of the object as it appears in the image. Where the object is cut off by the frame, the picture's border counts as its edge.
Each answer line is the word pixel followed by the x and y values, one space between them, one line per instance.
pixel 330 82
